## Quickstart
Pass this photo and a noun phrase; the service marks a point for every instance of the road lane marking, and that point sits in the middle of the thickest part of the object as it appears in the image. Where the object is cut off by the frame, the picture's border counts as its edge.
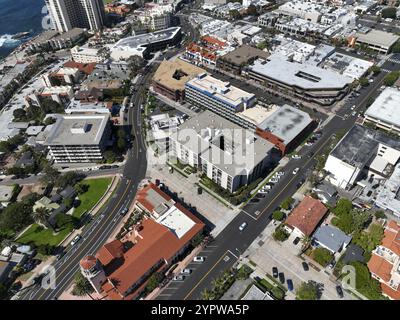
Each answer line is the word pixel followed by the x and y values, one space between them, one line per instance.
pixel 107 220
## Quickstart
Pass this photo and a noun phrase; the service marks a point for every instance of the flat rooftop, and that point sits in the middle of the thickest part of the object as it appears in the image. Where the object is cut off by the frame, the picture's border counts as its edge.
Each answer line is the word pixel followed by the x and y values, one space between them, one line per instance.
pixel 386 107
pixel 286 123
pixel 219 90
pixel 389 195
pixel 243 54
pixel 305 76
pixel 378 37
pixel 257 114
pixel 77 130
pixel 203 135
pixel 360 143
pixel 142 40
pixel 175 74
pixel 176 221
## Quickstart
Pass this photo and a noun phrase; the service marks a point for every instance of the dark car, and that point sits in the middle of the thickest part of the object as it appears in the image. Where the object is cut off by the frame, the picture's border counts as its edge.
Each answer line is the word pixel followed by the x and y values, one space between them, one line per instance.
pixel 281 277
pixel 255 200
pixel 296 240
pixel 275 272
pixel 339 291
pixel 305 266
pixel 60 255
pixel 289 284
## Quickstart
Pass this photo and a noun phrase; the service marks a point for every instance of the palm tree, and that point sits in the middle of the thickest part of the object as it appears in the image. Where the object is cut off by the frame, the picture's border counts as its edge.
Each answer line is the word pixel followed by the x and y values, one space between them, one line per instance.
pixel 306 241
pixel 40 215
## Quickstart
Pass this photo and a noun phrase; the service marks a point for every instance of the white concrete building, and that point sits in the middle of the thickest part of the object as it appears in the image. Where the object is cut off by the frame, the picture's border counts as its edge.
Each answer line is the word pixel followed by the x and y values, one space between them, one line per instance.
pixel 85 54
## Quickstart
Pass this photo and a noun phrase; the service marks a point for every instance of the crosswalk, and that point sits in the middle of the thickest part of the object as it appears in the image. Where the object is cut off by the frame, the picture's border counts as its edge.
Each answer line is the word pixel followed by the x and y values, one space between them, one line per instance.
pixel 394 60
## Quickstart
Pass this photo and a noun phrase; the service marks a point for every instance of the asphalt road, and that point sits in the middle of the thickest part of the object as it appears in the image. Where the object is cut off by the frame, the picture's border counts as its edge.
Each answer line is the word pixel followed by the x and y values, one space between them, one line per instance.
pixel 96 233
pixel 227 247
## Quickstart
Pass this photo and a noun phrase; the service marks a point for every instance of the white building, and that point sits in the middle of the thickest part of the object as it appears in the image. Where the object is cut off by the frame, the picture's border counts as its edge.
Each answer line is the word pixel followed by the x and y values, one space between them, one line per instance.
pixel 78 138
pixel 385 112
pixel 85 54
pixel 155 16
pixel 361 152
pixel 226 153
pixel 68 14
pixel 306 10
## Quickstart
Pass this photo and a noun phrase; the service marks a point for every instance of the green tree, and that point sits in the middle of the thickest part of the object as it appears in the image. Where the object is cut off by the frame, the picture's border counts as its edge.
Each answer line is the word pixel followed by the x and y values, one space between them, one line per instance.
pixel 280 234
pixel 121 133
pixel 389 13
pixel 81 188
pixel 322 256
pixel 307 291
pixel 396 47
pixel 278 215
pixel 82 286
pixel 110 156
pixel 391 78
pixel 69 178
pixel 375 70
pixel 121 144
pixel 343 206
pixel 50 175
pixel 16 216
pixel 365 284
pixel 244 272
pixel 234 14
pixel 153 282
pixel 19 114
pixel 40 215
pixel 380 215
pixel 287 203
pixel 363 81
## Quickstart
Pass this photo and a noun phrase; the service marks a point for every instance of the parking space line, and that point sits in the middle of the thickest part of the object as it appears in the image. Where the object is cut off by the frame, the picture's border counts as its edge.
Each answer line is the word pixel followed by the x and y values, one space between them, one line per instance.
pixel 249 214
pixel 233 254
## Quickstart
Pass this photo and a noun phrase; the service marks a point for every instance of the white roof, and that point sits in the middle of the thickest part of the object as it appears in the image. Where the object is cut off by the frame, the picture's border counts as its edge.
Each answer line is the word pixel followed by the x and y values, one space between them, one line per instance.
pixel 177 221
pixel 386 107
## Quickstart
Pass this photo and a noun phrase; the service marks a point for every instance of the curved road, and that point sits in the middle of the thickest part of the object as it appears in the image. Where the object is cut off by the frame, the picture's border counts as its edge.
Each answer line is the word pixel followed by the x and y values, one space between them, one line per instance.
pixel 96 233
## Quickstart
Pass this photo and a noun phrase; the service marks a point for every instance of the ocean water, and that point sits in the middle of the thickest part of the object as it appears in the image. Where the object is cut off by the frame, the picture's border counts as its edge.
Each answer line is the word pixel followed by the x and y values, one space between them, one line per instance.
pixel 19 16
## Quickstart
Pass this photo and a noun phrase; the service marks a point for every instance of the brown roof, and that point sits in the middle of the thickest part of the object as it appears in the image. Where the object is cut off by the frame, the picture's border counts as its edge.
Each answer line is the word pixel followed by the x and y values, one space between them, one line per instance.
pixel 307 215
pixel 168 69
pixel 155 245
pixel 110 251
pixel 391 240
pixel 88 262
pixel 393 294
pixel 86 68
pixel 244 54
pixel 380 267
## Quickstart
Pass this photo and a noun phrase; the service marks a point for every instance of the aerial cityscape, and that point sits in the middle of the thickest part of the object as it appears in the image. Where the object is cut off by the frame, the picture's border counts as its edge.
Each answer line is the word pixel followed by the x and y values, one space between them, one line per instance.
pixel 226 150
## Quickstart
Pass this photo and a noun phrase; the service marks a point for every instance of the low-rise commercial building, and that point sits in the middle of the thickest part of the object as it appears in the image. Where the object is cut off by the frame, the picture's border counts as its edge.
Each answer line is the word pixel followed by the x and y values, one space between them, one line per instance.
pixel 87 55
pixel 377 40
pixel 361 152
pixel 302 81
pixel 171 77
pixel 244 55
pixel 60 94
pixel 144 44
pixel 61 77
pixel 78 138
pixel 226 153
pixel 384 111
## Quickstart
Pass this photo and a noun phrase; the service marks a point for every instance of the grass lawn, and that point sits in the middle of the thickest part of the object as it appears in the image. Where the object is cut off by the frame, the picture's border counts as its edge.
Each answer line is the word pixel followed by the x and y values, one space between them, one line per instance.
pixel 41 236
pixel 97 187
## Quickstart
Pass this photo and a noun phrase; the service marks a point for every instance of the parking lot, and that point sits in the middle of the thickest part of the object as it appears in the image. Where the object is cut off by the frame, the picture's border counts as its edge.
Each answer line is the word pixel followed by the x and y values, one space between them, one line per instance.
pixel 267 253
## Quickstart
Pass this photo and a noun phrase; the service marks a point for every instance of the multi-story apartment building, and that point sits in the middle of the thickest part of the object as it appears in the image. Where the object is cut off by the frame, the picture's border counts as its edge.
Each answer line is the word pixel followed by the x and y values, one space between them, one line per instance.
pixel 68 14
pixel 384 264
pixel 155 16
pixel 87 55
pixel 78 138
pixel 226 153
pixel 218 96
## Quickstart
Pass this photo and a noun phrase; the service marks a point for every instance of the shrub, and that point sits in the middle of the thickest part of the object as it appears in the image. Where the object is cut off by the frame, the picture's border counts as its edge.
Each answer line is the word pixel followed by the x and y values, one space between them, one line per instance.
pixel 278 215
pixel 322 256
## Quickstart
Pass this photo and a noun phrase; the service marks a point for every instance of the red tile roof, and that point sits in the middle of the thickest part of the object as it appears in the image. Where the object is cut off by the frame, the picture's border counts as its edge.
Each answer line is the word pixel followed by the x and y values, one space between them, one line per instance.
pixel 110 251
pixel 393 294
pixel 391 239
pixel 88 262
pixel 307 215
pixel 86 68
pixel 380 267
pixel 155 246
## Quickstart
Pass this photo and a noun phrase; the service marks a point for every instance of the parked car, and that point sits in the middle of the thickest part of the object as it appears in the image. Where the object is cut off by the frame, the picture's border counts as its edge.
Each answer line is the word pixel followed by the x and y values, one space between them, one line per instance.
pixel 178 278
pixel 296 240
pixel 296 170
pixel 305 266
pixel 289 284
pixel 254 200
pixel 186 271
pixel 124 211
pixel 339 291
pixel 199 259
pixel 60 255
pixel 243 226
pixel 75 240
pixel 296 157
pixel 331 264
pixel 281 277
pixel 275 272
